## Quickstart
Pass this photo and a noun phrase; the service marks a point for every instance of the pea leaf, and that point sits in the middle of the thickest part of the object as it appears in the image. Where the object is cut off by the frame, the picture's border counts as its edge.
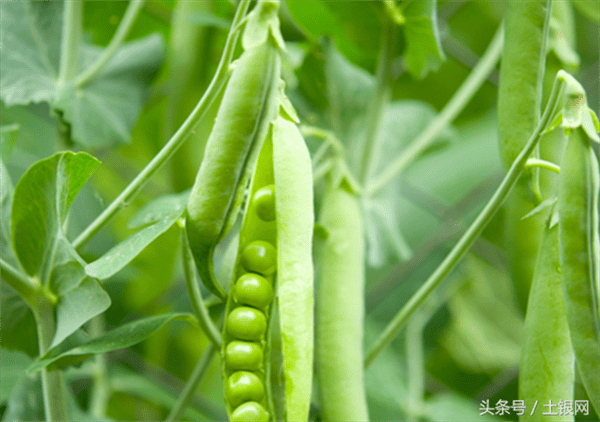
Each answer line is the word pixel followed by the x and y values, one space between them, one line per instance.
pixel 19 331
pixel 13 367
pixel 452 407
pixel 40 208
pixel 110 103
pixel 159 208
pixel 561 39
pixel 355 27
pixel 120 255
pixel 588 8
pixel 424 52
pixel 124 336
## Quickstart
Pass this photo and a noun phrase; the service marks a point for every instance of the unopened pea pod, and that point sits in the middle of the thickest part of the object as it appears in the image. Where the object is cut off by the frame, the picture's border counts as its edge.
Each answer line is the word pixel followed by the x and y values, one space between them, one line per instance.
pixel 546 370
pixel 340 309
pixel 275 260
pixel 247 108
pixel 577 227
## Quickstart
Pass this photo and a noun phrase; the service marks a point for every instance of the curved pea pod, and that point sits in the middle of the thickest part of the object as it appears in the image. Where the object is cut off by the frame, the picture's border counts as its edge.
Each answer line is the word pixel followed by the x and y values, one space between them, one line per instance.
pixel 340 309
pixel 295 224
pixel 247 108
pixel 578 227
pixel 546 370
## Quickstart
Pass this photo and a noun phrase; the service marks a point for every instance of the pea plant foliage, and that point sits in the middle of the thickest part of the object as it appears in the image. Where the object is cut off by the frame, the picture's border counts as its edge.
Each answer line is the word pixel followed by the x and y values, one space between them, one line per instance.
pixel 299 211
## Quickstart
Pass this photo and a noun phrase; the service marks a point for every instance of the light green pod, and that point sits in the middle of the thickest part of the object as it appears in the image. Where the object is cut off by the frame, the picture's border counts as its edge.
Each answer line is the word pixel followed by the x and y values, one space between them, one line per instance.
pixel 248 105
pixel 546 370
pixel 340 309
pixel 577 227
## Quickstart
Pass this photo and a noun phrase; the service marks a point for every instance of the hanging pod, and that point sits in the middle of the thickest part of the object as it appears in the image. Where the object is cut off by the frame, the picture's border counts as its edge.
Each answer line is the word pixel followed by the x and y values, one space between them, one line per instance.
pixel 249 104
pixel 273 276
pixel 579 256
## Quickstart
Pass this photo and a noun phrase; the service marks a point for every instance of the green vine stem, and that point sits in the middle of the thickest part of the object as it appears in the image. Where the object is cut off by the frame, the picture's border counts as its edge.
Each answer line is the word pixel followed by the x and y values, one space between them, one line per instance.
pixel 53 386
pixel 69 46
pixel 192 383
pixel 184 131
pixel 463 95
pixel 543 164
pixel 378 103
pixel 101 387
pixel 134 8
pixel 20 283
pixel 465 242
pixel 189 269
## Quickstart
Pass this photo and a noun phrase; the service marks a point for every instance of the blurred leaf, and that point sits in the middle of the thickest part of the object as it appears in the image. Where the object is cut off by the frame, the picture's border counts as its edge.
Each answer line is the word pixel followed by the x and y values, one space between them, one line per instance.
pixel 355 26
pixel 8 136
pixel 30 52
pixel 26 403
pixel 105 110
pixel 124 336
pixel 159 208
pixel 19 330
pixel 14 364
pixel 208 19
pixel 452 407
pixel 100 113
pixel 476 338
pixel 120 255
pixel 588 8
pixel 561 38
pixel 6 193
pixel 424 48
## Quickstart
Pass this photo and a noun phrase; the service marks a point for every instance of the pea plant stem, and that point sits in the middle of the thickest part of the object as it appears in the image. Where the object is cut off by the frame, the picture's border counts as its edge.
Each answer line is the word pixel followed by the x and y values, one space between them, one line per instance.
pixel 19 282
pixel 133 9
pixel 184 131
pixel 192 383
pixel 465 242
pixel 189 270
pixel 378 103
pixel 543 164
pixel 53 386
pixel 71 32
pixel 101 387
pixel 463 95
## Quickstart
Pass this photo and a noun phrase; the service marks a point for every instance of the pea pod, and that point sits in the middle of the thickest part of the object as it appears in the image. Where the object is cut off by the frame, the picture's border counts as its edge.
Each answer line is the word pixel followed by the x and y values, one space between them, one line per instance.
pixel 340 309
pixel 546 370
pixel 577 227
pixel 274 259
pixel 247 108
pixel 519 103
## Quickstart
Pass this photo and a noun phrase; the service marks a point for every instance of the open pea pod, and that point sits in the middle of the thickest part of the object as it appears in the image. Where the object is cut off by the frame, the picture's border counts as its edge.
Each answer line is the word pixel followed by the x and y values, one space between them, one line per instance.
pixel 274 263
pixel 248 106
pixel 578 231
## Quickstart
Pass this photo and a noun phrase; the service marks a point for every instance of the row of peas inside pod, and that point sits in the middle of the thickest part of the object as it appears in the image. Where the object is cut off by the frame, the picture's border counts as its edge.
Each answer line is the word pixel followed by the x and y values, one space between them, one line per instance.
pixel 246 324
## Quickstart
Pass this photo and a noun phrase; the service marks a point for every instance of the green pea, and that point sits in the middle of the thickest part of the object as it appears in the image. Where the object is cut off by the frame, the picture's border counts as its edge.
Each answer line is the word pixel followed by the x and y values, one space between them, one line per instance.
pixel 243 355
pixel 253 290
pixel 264 203
pixel 243 386
pixel 260 257
pixel 246 323
pixel 250 412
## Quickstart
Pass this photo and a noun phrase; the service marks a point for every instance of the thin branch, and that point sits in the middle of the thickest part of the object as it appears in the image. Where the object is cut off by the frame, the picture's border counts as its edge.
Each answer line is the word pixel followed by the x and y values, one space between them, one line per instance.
pixel 192 383
pixel 543 164
pixel 189 270
pixel 186 129
pixel 460 99
pixel 134 8
pixel 69 46
pixel 465 242
pixel 19 282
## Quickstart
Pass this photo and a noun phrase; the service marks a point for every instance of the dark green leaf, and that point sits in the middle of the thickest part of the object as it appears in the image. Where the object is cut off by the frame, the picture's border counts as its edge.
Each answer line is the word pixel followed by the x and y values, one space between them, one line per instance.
pixel 589 9
pixel 41 203
pixel 119 256
pixel 26 402
pixel 19 330
pixel 125 336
